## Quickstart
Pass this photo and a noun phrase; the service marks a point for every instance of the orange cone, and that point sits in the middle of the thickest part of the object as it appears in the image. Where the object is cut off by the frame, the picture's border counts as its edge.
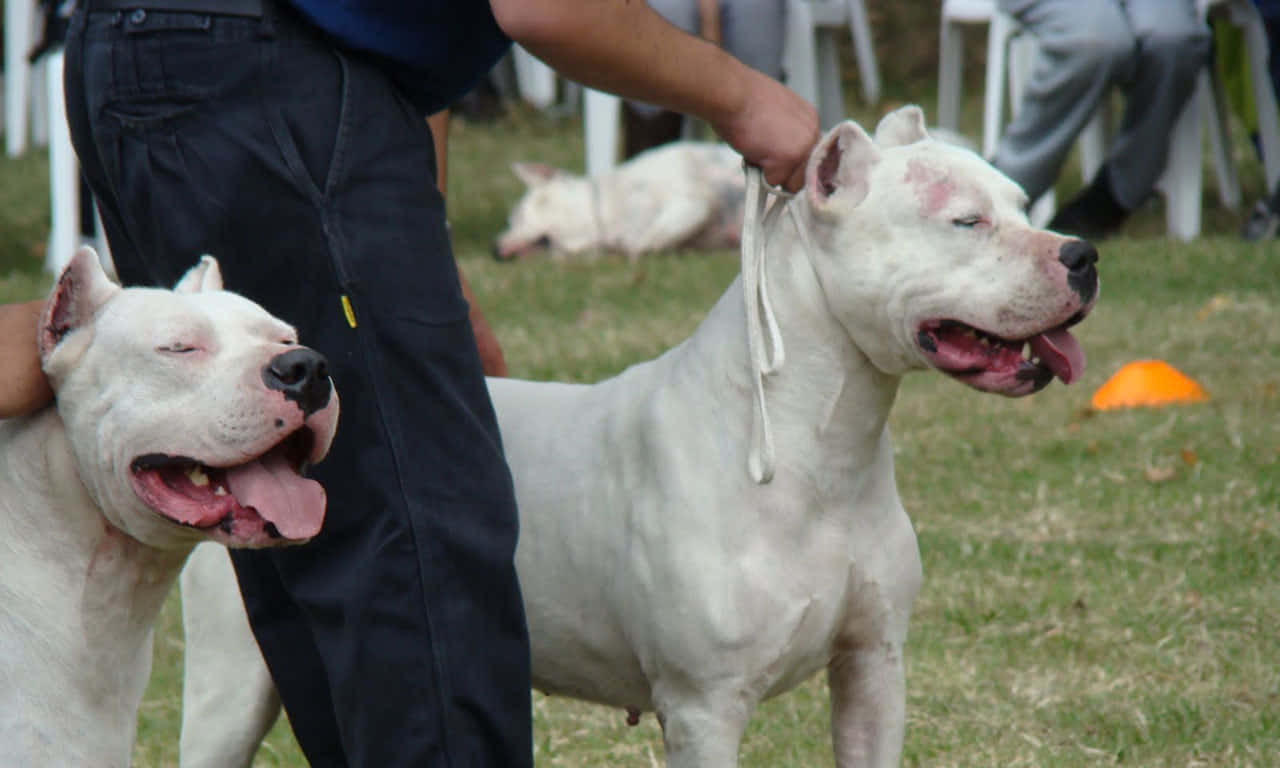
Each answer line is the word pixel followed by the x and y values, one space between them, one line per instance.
pixel 1147 383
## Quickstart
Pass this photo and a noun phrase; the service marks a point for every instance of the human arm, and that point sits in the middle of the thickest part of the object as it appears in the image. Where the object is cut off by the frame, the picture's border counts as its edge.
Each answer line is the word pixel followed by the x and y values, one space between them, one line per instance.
pixel 23 386
pixel 624 47
pixel 491 357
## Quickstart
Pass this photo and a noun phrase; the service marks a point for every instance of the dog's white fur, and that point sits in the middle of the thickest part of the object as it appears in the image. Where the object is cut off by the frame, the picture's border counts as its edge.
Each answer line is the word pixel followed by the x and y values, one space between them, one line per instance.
pixel 680 195
pixel 85 564
pixel 657 574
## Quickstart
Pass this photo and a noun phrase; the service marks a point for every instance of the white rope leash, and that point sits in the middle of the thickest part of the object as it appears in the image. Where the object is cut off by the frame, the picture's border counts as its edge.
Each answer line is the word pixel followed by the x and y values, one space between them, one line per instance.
pixel 764 339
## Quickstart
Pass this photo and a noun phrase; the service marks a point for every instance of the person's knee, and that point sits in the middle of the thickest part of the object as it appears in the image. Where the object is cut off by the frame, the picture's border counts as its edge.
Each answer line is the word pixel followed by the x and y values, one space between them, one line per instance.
pixel 1095 42
pixel 1183 50
pixel 1107 46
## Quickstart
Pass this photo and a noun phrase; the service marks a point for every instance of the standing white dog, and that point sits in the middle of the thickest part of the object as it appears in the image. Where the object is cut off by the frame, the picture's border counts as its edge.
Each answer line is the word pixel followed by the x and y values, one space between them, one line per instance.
pixel 182 416
pixel 680 195
pixel 710 528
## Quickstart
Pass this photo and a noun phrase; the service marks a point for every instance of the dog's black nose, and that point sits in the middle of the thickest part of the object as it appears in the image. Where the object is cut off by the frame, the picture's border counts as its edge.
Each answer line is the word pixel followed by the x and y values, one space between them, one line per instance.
pixel 302 375
pixel 1079 257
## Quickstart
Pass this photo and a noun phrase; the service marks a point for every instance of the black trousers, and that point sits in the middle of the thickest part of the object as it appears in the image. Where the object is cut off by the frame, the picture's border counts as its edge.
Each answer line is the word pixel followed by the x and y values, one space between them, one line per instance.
pixel 396 637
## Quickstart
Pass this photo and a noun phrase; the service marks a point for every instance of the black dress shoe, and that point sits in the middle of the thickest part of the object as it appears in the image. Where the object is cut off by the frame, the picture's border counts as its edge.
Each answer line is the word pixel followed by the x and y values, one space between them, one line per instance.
pixel 1094 213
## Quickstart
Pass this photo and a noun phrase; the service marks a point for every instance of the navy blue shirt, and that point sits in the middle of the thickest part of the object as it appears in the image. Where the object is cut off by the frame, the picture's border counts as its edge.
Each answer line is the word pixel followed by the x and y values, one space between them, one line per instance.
pixel 436 49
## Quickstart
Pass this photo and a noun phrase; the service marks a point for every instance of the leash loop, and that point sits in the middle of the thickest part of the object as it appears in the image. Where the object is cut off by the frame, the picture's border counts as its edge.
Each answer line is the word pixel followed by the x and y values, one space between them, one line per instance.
pixel 764 338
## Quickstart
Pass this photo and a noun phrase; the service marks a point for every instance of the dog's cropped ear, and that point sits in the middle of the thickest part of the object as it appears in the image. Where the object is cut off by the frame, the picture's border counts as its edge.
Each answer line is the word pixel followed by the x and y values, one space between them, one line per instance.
pixel 81 289
pixel 533 174
pixel 901 127
pixel 840 167
pixel 204 276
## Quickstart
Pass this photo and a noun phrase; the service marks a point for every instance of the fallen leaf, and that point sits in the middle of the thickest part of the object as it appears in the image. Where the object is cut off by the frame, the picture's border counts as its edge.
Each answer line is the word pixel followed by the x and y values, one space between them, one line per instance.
pixel 1157 475
pixel 1218 302
pixel 1189 457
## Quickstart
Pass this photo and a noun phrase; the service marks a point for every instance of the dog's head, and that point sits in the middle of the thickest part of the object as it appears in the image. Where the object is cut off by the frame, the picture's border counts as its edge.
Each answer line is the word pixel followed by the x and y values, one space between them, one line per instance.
pixel 927 259
pixel 191 412
pixel 556 214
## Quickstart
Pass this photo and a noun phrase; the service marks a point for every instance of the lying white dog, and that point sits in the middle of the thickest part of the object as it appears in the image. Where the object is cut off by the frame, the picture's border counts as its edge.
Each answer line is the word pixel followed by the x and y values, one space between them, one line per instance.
pixel 680 195
pixel 181 416
pixel 710 528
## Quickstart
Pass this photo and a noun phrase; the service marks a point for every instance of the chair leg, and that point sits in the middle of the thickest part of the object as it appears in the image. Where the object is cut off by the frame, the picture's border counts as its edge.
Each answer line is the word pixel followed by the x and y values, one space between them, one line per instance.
pixel 865 50
pixel 64 174
pixel 1183 181
pixel 601 117
pixel 950 69
pixel 535 80
pixel 998 36
pixel 798 55
pixel 1220 140
pixel 830 96
pixel 17 41
pixel 1042 209
pixel 1245 15
pixel 1093 142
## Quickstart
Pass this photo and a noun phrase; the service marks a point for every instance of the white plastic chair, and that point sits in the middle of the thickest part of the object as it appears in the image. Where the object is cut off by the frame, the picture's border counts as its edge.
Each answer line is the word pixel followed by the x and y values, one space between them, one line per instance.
pixel 956 14
pixel 809 61
pixel 1243 14
pixel 810 58
pixel 1009 57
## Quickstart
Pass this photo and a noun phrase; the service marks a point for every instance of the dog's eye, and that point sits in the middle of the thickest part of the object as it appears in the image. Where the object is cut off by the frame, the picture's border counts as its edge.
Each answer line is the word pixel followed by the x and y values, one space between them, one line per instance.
pixel 176 348
pixel 968 222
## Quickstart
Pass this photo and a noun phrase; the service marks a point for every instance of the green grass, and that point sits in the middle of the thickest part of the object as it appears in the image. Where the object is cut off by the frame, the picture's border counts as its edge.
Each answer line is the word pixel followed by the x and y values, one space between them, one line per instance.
pixel 1100 588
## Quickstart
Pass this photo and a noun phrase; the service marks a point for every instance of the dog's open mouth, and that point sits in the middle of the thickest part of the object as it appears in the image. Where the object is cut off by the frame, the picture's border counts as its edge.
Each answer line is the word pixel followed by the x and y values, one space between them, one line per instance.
pixel 990 363
pixel 266 498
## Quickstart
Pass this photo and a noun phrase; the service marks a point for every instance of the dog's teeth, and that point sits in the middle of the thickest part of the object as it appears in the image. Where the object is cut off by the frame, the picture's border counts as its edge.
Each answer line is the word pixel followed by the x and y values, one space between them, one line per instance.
pixel 197 477
pixel 219 491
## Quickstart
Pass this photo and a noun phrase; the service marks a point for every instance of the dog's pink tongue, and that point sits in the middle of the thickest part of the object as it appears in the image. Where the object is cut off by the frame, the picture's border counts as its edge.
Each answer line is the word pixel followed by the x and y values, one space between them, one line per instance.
pixel 290 502
pixel 1059 350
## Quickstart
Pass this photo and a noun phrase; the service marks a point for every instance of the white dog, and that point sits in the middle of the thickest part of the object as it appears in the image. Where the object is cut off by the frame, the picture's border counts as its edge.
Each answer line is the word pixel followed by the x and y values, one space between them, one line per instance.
pixel 712 527
pixel 181 416
pixel 680 195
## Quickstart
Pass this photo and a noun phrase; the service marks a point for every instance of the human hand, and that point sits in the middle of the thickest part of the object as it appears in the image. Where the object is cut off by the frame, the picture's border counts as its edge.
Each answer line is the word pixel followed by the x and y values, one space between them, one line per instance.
pixel 23 386
pixel 774 129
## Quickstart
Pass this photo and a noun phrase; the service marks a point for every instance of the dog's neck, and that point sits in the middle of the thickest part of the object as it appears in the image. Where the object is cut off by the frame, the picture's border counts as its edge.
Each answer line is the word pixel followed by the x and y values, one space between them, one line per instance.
pixel 848 397
pixel 826 391
pixel 80 599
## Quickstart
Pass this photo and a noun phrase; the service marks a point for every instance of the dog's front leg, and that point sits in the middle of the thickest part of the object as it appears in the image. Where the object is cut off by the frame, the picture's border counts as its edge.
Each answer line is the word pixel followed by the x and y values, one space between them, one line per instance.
pixel 705 730
pixel 229 701
pixel 868 705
